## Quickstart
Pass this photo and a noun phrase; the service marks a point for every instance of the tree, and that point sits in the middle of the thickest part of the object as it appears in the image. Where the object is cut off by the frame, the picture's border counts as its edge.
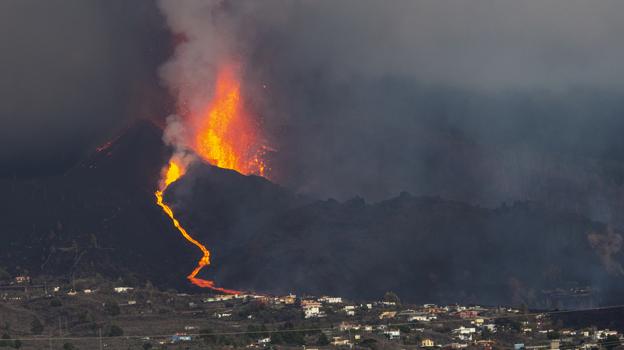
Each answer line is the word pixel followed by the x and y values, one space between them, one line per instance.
pixel 147 346
pixel 256 332
pixel 553 335
pixel 207 336
pixel 56 302
pixel 369 343
pixel 610 342
pixel 5 340
pixel 17 344
pixel 4 275
pixel 115 331
pixel 391 297
pixel 112 308
pixel 68 346
pixel 486 333
pixel 36 327
pixel 322 340
pixel 291 336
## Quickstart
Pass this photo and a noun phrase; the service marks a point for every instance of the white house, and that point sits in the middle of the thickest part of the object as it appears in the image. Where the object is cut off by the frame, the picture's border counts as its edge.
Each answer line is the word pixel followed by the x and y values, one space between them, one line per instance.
pixel 264 341
pixel 393 334
pixel 311 308
pixel 330 300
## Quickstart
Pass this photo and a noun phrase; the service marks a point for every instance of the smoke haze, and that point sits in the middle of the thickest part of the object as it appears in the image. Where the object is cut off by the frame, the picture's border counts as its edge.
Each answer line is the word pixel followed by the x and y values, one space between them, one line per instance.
pixel 485 101
pixel 72 73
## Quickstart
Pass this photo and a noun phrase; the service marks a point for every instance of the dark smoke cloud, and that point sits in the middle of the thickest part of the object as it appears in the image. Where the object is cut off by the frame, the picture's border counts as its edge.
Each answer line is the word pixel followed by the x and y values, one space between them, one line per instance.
pixel 482 101
pixel 73 72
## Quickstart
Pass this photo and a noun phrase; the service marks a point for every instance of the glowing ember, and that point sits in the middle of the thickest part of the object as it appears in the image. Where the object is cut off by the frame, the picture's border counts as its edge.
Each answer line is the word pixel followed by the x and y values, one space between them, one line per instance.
pixel 225 135
pixel 172 173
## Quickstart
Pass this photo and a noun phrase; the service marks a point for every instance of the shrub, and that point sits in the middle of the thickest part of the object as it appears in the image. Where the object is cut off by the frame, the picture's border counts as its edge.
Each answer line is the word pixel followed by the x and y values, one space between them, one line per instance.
pixel 115 331
pixel 36 327
pixel 112 308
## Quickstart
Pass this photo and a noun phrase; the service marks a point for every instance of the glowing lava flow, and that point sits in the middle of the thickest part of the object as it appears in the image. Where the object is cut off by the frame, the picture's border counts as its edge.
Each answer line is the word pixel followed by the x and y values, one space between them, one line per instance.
pixel 173 173
pixel 224 134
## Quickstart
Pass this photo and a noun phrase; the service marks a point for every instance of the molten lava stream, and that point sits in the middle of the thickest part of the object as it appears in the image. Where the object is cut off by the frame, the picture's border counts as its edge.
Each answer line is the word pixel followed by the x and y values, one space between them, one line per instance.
pixel 173 173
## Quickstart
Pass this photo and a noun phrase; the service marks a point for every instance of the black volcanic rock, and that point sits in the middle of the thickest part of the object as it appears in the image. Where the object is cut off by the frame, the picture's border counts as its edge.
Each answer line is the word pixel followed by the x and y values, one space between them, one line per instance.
pixel 100 217
pixel 426 249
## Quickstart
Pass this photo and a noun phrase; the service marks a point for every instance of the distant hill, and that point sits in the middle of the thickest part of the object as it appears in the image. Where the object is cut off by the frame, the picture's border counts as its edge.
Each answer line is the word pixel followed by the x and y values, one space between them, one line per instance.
pixel 100 217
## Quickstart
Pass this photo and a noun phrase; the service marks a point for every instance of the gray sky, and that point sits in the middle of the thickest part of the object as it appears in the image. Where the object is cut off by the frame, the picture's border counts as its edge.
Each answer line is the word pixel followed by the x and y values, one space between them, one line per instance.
pixel 362 97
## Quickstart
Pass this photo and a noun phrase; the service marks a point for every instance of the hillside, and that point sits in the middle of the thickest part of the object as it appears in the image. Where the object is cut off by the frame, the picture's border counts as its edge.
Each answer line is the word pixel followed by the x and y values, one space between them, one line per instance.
pixel 100 217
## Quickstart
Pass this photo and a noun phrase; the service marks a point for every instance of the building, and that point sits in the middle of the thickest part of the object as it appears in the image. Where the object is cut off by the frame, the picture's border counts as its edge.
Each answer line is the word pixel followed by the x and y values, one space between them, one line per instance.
pixel 288 299
pixel 22 279
pixel 468 314
pixel 393 334
pixel 311 308
pixel 180 338
pixel 123 289
pixel 422 318
pixel 345 326
pixel 464 333
pixel 427 343
pixel 340 341
pixel 264 341
pixel 330 300
pixel 387 314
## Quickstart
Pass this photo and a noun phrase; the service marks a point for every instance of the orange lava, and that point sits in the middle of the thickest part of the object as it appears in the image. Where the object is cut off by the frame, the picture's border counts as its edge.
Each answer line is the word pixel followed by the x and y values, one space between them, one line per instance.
pixel 225 135
pixel 174 171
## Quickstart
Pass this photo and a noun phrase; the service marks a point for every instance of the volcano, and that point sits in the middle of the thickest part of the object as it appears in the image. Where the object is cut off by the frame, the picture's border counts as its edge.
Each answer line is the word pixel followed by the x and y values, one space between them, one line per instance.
pixel 100 217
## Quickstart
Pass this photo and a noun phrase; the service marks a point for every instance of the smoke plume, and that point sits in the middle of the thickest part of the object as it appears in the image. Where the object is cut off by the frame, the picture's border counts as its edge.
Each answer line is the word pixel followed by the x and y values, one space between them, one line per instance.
pixel 361 98
pixel 607 246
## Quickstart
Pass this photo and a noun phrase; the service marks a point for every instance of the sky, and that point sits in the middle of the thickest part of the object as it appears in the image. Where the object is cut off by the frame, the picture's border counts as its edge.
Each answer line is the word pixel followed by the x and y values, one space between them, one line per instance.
pixel 482 101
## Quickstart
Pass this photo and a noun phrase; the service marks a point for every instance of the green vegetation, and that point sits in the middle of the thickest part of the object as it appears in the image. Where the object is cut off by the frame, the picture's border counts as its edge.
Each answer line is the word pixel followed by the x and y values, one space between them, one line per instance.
pixel 553 335
pixel 115 331
pixel 5 341
pixel 322 340
pixel 610 342
pixel 111 307
pixel 36 327
pixel 391 297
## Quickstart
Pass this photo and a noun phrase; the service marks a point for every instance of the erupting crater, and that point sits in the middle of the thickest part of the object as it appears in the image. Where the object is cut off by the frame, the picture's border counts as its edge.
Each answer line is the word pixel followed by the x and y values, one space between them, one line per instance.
pixel 226 136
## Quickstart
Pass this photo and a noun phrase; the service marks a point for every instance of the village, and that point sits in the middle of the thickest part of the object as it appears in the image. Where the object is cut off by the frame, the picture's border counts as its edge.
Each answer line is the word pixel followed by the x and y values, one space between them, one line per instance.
pixel 84 314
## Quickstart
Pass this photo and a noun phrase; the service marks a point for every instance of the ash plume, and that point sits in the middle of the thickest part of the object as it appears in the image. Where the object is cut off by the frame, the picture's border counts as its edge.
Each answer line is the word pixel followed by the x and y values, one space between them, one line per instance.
pixel 204 41
pixel 361 98
pixel 607 246
pixel 176 136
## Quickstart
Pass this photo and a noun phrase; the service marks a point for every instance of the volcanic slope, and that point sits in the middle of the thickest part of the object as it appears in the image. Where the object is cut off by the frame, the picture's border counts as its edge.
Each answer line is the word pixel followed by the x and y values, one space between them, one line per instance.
pixel 97 217
pixel 100 217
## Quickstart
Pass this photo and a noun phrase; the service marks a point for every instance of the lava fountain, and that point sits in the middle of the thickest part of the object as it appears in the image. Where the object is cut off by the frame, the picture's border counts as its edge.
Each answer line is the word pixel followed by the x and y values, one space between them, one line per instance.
pixel 224 135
